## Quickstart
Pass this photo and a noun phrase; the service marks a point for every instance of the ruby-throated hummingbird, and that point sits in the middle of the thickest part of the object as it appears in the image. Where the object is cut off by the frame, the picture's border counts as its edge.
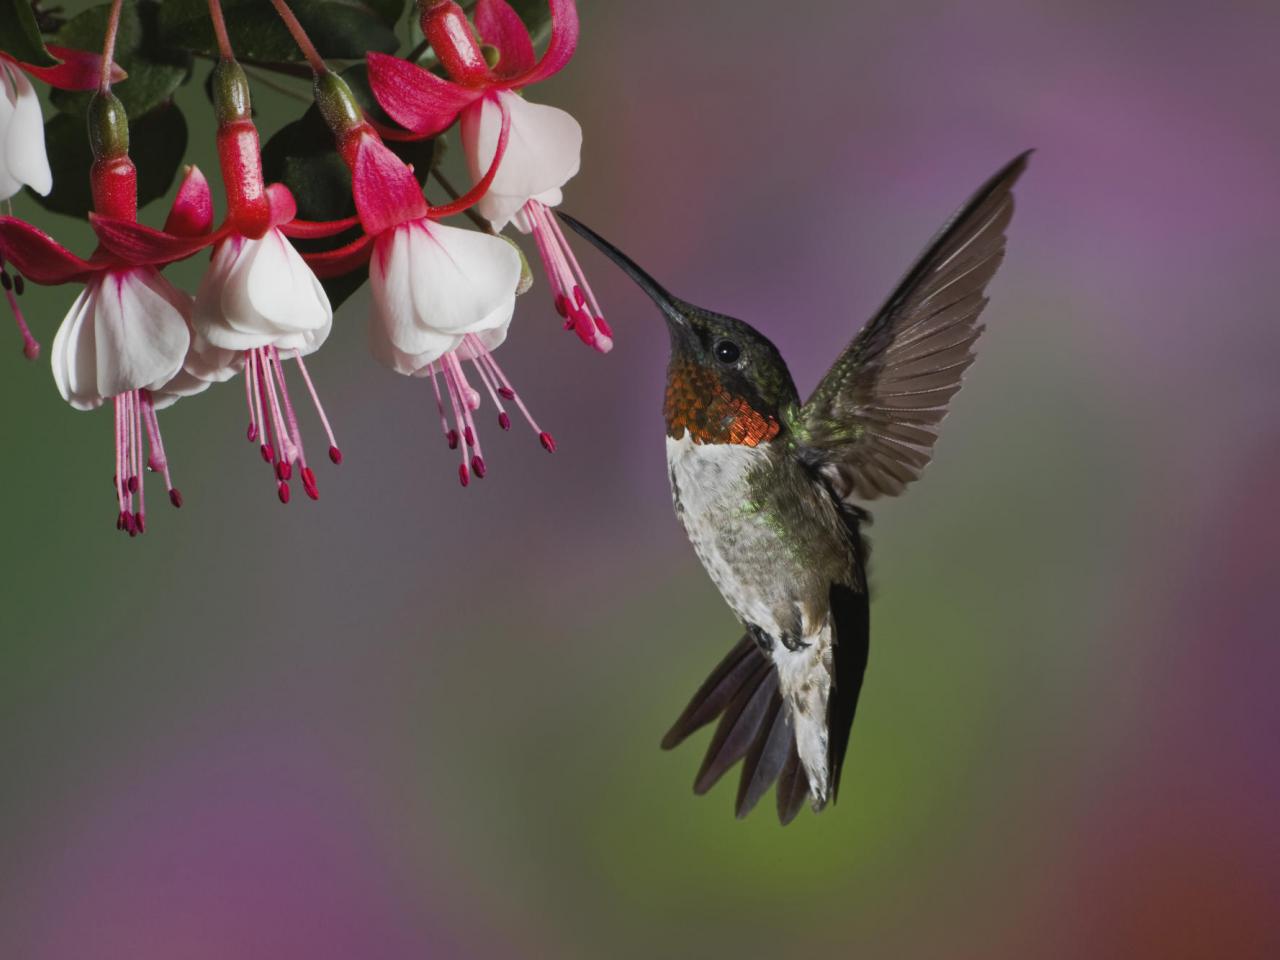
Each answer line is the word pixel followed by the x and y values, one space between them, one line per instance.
pixel 767 489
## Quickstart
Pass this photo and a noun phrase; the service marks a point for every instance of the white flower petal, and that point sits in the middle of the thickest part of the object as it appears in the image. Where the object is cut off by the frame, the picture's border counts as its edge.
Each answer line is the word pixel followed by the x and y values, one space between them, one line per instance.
pixel 259 293
pixel 385 352
pixel 9 185
pixel 25 155
pixel 74 356
pixel 430 281
pixel 544 151
pixel 140 324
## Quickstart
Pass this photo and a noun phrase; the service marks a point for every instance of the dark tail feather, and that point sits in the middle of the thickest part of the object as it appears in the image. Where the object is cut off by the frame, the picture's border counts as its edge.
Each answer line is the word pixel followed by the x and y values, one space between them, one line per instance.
pixel 793 787
pixel 716 692
pixel 739 726
pixel 742 691
pixel 764 761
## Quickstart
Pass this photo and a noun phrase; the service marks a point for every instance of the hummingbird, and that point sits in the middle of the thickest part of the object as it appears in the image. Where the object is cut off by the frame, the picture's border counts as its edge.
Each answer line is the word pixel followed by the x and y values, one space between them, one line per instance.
pixel 769 491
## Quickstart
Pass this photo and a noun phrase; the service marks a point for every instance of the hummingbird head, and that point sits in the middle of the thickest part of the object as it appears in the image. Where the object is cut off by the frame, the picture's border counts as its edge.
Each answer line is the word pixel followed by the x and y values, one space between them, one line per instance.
pixel 726 382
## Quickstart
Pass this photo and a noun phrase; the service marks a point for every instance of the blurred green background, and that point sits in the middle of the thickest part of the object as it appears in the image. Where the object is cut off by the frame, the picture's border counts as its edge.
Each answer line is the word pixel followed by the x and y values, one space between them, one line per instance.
pixel 413 720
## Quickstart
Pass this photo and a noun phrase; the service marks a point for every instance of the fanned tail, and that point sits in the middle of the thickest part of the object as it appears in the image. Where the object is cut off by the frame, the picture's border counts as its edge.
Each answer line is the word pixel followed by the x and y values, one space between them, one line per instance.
pixel 742 691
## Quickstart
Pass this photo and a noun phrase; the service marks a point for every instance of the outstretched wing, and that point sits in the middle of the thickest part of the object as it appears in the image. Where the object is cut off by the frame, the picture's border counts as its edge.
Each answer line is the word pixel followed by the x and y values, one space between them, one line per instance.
pixel 871 424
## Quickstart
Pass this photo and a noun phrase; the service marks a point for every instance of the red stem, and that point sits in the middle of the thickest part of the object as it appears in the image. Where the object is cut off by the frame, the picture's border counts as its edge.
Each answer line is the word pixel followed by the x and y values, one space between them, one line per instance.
pixel 220 30
pixel 109 46
pixel 299 36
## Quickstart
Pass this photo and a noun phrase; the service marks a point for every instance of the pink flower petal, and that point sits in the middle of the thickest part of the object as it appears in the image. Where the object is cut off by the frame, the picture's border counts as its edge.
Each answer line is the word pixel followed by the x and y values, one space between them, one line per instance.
pixel 477 193
pixel 141 245
pixel 192 212
pixel 501 27
pixel 39 257
pixel 564 40
pixel 415 98
pixel 316 229
pixel 79 69
pixel 283 207
pixel 335 263
pixel 384 188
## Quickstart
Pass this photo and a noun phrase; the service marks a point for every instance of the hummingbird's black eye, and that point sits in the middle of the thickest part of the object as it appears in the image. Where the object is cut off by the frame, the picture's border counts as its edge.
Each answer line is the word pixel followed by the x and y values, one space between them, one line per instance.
pixel 727 351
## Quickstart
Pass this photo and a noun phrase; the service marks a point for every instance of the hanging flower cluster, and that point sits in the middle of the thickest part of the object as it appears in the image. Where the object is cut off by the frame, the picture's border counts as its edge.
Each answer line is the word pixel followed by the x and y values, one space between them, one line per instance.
pixel 442 295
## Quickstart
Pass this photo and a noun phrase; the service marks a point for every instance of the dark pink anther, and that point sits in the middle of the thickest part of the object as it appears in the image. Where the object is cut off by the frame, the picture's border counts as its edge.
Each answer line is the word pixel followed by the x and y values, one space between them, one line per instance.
pixel 579 297
pixel 120 520
pixel 284 470
pixel 504 421
pixel 268 452
pixel 452 437
pixel 252 432
pixel 470 436
pixel 464 475
pixel 282 491
pixel 130 524
pixel 548 441
pixel 335 455
pixel 477 464
pixel 175 497
pixel 133 484
pixel 604 327
pixel 562 305
pixel 141 519
pixel 309 483
pixel 506 393
pixel 19 285
pixel 31 350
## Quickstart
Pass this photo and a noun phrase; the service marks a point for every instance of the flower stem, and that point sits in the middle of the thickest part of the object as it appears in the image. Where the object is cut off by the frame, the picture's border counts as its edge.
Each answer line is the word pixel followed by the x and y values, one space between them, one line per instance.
pixel 299 37
pixel 109 46
pixel 220 30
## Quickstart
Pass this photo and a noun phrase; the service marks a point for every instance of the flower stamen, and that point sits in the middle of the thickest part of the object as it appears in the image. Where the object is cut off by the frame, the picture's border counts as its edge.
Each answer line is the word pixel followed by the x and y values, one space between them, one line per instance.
pixel 135 418
pixel 13 286
pixel 276 423
pixel 574 299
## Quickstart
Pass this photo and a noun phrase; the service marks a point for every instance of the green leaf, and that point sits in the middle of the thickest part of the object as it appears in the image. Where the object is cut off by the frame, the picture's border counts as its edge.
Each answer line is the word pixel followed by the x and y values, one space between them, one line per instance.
pixel 158 141
pixel 302 157
pixel 20 34
pixel 155 71
pixel 340 29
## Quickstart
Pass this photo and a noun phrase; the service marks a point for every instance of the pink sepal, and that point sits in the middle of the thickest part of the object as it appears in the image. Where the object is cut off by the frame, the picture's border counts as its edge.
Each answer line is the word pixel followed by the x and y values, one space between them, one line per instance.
pixel 283 207
pixel 476 193
pixel 415 98
pixel 192 212
pixel 334 263
pixel 501 27
pixel 79 69
pixel 317 229
pixel 40 258
pixel 140 245
pixel 385 191
pixel 564 40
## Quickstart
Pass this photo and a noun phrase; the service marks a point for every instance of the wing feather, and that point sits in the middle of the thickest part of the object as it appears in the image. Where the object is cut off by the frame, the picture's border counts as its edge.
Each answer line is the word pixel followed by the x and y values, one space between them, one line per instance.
pixel 871 424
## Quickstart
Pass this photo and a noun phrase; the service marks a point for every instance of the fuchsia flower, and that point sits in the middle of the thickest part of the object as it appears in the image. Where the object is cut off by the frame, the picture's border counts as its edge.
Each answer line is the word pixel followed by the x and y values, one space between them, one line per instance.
pixel 126 336
pixel 23 161
pixel 258 304
pixel 442 296
pixel 545 142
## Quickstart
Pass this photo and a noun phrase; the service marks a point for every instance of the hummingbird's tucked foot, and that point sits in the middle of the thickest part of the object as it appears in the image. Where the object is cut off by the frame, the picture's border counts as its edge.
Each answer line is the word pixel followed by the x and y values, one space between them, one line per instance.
pixel 464 400
pixel 574 300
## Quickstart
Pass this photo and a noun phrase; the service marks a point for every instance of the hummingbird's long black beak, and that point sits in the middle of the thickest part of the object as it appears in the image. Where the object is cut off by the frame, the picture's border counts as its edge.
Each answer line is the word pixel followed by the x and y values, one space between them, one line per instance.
pixel 668 304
